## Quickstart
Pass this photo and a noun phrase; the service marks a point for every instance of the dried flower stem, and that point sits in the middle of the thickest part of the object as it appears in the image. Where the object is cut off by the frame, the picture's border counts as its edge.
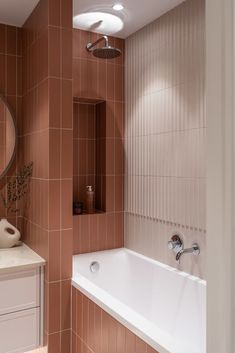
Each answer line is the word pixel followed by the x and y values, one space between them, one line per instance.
pixel 17 188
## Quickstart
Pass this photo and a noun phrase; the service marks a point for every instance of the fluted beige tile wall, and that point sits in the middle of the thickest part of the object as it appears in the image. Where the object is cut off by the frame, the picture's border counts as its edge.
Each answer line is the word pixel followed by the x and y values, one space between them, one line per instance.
pixel 165 135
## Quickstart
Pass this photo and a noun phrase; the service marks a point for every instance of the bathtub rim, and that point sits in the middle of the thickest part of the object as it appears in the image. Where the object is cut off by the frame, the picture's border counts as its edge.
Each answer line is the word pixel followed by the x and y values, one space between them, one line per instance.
pixel 146 258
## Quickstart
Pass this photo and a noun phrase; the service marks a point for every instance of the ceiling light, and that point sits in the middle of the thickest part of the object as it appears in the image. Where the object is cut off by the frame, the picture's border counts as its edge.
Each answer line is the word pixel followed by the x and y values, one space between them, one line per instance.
pixel 118 7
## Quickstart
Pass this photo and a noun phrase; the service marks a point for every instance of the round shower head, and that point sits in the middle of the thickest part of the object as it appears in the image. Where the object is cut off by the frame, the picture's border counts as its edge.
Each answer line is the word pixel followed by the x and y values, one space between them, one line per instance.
pixel 106 52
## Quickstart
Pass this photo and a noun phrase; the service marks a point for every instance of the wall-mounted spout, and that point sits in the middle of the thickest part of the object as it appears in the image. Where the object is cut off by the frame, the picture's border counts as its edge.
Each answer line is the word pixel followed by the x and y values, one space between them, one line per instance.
pixel 195 250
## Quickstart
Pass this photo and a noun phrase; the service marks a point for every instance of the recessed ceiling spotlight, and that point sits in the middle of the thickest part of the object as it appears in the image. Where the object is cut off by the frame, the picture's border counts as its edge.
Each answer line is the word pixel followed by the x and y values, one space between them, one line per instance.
pixel 118 7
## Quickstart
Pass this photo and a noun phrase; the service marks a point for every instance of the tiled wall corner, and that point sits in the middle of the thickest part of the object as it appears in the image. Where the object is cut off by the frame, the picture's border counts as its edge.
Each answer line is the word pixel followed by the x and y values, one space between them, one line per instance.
pixel 47 141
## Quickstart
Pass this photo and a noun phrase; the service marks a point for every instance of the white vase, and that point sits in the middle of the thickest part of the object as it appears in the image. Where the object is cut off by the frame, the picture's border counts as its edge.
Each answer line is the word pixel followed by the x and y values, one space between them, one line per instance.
pixel 9 235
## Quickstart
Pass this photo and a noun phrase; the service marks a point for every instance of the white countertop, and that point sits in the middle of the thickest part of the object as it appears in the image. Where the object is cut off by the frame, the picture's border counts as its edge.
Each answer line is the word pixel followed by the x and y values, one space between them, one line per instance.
pixel 19 258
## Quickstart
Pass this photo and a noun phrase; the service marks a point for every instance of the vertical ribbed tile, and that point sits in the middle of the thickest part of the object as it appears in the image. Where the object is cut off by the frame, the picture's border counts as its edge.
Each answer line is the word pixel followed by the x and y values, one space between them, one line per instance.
pixel 165 129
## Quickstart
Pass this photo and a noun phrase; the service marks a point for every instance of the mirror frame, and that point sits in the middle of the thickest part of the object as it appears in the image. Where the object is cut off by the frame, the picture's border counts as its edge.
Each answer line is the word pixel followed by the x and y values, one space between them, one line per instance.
pixel 9 165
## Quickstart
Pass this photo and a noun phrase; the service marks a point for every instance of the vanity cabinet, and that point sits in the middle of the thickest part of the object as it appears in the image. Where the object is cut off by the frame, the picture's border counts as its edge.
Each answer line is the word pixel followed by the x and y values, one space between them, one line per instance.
pixel 21 307
pixel 19 331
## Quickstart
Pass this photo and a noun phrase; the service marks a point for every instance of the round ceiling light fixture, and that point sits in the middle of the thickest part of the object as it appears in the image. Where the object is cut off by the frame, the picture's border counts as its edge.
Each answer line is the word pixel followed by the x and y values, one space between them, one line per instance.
pixel 101 22
pixel 118 7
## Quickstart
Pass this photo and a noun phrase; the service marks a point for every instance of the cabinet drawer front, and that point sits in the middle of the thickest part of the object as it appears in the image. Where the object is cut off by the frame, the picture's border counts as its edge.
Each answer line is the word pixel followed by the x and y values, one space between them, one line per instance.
pixel 19 291
pixel 19 332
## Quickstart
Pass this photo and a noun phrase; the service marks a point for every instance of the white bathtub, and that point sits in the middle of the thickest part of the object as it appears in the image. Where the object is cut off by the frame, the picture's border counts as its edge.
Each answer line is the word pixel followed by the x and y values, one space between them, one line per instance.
pixel 164 307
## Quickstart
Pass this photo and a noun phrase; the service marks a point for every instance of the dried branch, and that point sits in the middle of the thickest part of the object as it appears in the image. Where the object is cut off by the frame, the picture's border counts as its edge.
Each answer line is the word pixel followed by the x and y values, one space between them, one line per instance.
pixel 17 188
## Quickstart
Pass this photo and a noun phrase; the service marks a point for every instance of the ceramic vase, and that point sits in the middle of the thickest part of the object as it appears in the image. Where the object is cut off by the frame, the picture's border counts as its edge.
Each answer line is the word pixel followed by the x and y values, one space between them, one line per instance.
pixel 9 235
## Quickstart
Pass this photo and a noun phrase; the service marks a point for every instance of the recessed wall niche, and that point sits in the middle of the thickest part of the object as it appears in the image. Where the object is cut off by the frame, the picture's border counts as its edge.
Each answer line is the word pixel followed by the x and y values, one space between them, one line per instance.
pixel 89 151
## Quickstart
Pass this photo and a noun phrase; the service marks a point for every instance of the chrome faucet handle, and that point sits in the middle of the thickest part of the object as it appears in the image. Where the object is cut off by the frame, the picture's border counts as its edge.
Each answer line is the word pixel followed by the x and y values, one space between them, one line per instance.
pixel 175 244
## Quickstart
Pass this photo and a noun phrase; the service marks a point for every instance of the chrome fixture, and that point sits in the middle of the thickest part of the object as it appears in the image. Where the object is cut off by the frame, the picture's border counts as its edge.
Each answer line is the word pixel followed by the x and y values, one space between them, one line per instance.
pixel 106 52
pixel 176 245
pixel 94 267
pixel 195 250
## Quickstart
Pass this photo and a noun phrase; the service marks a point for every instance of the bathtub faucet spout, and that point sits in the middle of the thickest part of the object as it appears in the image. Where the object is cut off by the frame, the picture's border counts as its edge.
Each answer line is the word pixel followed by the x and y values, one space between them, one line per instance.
pixel 195 250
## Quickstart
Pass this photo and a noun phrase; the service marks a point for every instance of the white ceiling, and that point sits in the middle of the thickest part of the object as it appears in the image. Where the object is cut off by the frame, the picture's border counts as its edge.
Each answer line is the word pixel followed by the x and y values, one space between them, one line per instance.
pixel 136 13
pixel 16 12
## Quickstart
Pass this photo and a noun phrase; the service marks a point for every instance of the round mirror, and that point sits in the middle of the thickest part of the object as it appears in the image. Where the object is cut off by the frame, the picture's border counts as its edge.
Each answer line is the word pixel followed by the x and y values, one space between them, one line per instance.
pixel 7 137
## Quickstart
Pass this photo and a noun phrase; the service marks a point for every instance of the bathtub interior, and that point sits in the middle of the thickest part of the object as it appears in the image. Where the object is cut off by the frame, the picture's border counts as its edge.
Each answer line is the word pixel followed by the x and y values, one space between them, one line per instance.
pixel 169 299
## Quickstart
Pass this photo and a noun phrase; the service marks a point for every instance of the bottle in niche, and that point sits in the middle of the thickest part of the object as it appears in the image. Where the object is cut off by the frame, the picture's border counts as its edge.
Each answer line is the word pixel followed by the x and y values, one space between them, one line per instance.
pixel 77 208
pixel 89 199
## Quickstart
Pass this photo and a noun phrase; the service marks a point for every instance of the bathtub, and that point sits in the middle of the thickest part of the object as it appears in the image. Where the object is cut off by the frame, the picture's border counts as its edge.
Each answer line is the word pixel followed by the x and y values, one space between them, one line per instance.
pixel 161 305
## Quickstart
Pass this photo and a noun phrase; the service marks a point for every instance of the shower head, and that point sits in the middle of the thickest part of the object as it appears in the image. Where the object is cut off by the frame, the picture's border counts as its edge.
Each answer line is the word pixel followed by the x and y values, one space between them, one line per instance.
pixel 106 52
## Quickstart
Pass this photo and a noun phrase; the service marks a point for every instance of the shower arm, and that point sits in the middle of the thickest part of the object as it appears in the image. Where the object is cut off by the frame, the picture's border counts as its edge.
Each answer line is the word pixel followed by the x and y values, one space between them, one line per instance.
pixel 90 46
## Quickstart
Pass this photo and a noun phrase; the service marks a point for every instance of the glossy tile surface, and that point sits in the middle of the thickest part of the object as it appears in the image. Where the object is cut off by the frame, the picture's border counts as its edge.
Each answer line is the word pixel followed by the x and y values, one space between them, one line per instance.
pixel 46 139
pixel 93 330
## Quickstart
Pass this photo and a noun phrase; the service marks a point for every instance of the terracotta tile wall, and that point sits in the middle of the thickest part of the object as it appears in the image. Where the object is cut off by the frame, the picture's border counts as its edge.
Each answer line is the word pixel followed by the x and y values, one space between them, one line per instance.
pixel 165 135
pixel 46 139
pixel 95 331
pixel 11 88
pixel 101 152
pixel 84 148
pixel 89 153
pixel 102 80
